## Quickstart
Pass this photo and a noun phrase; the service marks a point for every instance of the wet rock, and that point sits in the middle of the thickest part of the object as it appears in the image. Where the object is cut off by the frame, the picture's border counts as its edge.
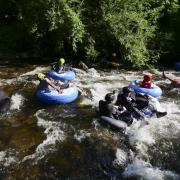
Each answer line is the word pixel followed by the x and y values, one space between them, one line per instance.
pixel 83 66
pixel 4 102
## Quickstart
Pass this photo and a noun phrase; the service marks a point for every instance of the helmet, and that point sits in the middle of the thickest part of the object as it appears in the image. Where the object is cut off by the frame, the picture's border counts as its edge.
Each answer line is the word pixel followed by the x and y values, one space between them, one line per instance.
pixel 148 77
pixel 109 97
pixel 126 89
pixel 61 61
pixel 40 75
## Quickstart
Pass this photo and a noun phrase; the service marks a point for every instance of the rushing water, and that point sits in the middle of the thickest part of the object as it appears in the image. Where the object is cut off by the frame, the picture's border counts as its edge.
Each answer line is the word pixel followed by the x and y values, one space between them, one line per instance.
pixel 70 141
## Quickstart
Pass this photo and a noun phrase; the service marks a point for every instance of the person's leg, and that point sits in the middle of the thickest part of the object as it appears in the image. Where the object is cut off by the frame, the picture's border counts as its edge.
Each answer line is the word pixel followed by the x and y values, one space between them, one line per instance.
pixel 160 111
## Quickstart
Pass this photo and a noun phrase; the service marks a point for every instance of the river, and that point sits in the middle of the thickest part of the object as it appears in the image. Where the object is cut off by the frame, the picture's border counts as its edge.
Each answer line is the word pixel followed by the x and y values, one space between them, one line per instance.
pixel 70 141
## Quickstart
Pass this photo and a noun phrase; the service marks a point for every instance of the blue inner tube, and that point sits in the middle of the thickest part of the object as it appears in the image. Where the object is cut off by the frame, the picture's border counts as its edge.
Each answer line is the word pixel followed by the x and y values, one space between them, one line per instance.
pixel 177 65
pixel 51 96
pixel 68 75
pixel 155 91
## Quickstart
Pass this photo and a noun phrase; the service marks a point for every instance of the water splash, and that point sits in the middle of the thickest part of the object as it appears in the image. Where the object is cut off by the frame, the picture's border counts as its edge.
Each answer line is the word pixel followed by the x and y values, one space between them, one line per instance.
pixel 80 135
pixel 142 169
pixel 36 70
pixel 121 158
pixel 16 101
pixel 7 159
pixel 53 133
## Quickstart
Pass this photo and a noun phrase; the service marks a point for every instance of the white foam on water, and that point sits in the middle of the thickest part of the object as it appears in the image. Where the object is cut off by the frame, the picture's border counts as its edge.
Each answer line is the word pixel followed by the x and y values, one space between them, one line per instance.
pixel 11 81
pixel 23 78
pixel 132 76
pixel 36 70
pixel 6 159
pixel 140 136
pixel 98 85
pixel 90 73
pixel 16 101
pixel 81 134
pixel 53 133
pixel 93 73
pixel 121 158
pixel 169 125
pixel 144 170
pixel 143 137
pixel 156 104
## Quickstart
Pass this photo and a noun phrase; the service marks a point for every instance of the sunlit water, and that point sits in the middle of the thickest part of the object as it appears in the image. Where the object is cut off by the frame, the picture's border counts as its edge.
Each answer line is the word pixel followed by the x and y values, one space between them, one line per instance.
pixel 71 142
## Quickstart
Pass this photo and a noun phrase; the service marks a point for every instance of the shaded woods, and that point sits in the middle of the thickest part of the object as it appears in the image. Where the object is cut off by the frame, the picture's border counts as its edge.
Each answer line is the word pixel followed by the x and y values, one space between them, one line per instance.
pixel 140 32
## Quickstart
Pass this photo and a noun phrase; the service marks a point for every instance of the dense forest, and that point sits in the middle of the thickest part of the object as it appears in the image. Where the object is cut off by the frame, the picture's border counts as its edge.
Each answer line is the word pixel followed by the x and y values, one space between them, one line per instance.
pixel 141 32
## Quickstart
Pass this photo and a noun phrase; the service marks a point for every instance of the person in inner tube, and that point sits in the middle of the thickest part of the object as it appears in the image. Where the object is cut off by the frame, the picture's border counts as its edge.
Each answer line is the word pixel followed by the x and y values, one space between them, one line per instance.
pixel 63 84
pixel 128 100
pixel 46 83
pixel 136 102
pixel 59 66
pixel 147 81
pixel 107 108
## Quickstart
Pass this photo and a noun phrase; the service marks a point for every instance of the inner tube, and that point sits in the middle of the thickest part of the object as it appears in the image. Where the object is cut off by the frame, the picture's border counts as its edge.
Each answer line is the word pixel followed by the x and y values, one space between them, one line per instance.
pixel 5 102
pixel 68 75
pixel 51 96
pixel 117 123
pixel 122 124
pixel 155 91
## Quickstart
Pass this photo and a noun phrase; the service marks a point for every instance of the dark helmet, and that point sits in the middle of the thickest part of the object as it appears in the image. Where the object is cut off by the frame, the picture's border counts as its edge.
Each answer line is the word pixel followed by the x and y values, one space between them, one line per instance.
pixel 109 97
pixel 126 90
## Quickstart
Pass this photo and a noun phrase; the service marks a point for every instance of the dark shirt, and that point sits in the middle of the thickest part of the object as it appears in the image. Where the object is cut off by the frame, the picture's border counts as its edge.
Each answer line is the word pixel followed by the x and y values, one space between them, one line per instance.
pixel 43 85
pixel 132 103
pixel 141 101
pixel 57 67
pixel 107 109
pixel 127 102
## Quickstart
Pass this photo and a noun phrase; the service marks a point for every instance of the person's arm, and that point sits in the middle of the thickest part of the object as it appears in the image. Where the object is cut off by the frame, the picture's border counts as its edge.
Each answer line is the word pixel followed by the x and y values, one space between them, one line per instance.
pixel 53 85
pixel 61 68
pixel 119 109
pixel 53 66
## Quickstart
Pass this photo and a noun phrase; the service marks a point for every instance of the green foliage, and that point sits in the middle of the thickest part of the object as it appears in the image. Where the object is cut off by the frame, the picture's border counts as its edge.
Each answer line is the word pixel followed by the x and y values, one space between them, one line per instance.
pixel 133 23
pixel 66 20
pixel 139 31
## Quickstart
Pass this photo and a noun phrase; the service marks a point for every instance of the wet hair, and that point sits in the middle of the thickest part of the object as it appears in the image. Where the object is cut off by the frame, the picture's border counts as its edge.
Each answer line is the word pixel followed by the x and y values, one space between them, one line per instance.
pixel 126 89
pixel 109 97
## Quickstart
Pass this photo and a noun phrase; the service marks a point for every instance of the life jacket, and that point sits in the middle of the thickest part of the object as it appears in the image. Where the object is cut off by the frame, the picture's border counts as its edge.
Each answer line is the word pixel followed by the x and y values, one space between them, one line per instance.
pixel 147 81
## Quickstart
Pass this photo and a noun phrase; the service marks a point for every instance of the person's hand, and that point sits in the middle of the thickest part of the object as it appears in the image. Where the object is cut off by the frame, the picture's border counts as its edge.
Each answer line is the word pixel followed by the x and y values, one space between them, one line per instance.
pixel 59 90
pixel 146 96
